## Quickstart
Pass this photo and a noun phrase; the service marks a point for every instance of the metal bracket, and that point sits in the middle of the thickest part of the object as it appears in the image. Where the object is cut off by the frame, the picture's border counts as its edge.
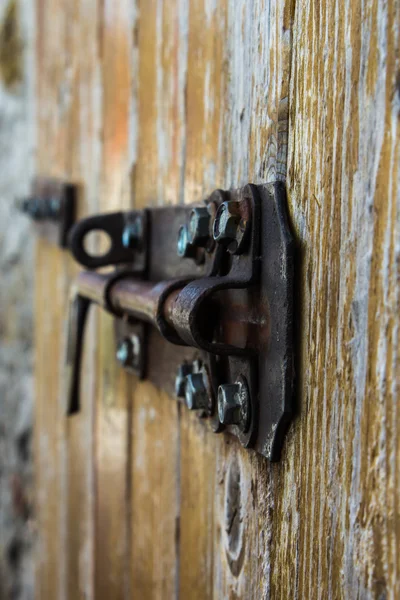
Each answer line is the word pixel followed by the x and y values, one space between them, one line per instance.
pixel 52 206
pixel 216 281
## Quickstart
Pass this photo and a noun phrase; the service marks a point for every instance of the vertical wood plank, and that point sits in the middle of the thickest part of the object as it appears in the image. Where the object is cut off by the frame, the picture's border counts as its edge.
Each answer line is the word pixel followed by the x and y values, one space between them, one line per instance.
pixel 83 143
pixel 156 177
pixel 252 147
pixel 68 137
pixel 51 282
pixel 205 100
pixel 112 400
pixel 343 206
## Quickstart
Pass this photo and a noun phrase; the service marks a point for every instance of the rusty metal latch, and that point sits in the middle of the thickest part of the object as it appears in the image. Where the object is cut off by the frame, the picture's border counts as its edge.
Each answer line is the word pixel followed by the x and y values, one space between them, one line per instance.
pixel 203 302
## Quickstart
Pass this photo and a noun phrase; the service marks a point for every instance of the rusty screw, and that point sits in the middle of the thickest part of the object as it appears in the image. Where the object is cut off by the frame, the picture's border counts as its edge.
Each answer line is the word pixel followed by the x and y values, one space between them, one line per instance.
pixel 199 226
pixel 234 404
pixel 184 248
pixel 128 352
pixel 229 227
pixel 196 396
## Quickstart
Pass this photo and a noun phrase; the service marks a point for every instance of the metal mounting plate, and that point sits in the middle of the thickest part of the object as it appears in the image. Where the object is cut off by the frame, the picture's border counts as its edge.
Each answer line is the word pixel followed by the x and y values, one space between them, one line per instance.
pixel 269 300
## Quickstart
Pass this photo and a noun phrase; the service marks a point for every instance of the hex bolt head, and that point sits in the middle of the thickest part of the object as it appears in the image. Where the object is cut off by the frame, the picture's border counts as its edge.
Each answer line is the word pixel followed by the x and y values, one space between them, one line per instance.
pixel 184 248
pixel 132 234
pixel 196 396
pixel 54 208
pixel 123 352
pixel 234 404
pixel 180 381
pixel 128 352
pixel 229 227
pixel 39 209
pixel 29 206
pixel 199 226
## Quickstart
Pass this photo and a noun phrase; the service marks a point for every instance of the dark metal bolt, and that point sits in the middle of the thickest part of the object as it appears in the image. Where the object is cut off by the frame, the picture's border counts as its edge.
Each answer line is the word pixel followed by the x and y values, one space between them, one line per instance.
pixel 32 208
pixel 199 226
pixel 196 396
pixel 180 382
pixel 128 352
pixel 132 234
pixel 234 404
pixel 229 226
pixel 184 248
pixel 41 209
pixel 54 208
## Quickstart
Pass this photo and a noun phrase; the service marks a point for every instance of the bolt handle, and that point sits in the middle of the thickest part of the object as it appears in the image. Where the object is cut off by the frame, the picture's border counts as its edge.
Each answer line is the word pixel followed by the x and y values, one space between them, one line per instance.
pixel 78 311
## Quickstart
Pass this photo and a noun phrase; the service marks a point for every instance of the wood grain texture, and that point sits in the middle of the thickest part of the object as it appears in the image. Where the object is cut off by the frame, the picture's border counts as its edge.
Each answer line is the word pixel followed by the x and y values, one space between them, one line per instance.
pixel 156 175
pixel 48 332
pixel 68 138
pixel 343 177
pixel 204 93
pixel 215 93
pixel 112 400
pixel 83 166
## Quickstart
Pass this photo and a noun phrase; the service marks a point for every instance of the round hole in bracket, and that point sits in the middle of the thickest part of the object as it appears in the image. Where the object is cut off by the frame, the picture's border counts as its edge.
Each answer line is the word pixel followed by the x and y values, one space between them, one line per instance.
pixel 97 243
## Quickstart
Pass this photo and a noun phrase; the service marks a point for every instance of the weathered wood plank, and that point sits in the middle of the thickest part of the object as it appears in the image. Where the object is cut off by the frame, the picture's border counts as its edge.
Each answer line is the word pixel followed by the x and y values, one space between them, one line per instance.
pixel 204 96
pixel 217 89
pixel 51 281
pixel 47 444
pixel 156 175
pixel 343 165
pixel 82 142
pixel 253 147
pixel 112 400
pixel 67 147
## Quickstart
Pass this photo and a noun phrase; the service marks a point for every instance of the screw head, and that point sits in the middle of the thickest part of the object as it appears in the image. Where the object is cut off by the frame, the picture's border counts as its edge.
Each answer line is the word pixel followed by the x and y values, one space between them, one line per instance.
pixel 184 248
pixel 41 209
pixel 128 352
pixel 132 234
pixel 196 396
pixel 199 226
pixel 32 207
pixel 234 404
pixel 54 208
pixel 123 352
pixel 180 382
pixel 229 226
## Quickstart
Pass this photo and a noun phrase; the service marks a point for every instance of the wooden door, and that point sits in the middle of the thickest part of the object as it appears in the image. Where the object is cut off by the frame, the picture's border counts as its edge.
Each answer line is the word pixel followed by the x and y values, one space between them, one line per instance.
pixel 147 102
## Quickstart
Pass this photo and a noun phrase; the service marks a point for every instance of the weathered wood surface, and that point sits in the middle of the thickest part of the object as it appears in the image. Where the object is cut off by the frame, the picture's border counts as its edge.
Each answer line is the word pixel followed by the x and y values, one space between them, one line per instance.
pixel 153 102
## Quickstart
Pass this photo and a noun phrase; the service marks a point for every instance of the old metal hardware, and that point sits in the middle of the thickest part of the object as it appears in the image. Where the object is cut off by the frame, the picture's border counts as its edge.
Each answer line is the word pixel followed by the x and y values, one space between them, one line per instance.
pixel 127 234
pixel 194 386
pixel 234 404
pixel 225 305
pixel 52 206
